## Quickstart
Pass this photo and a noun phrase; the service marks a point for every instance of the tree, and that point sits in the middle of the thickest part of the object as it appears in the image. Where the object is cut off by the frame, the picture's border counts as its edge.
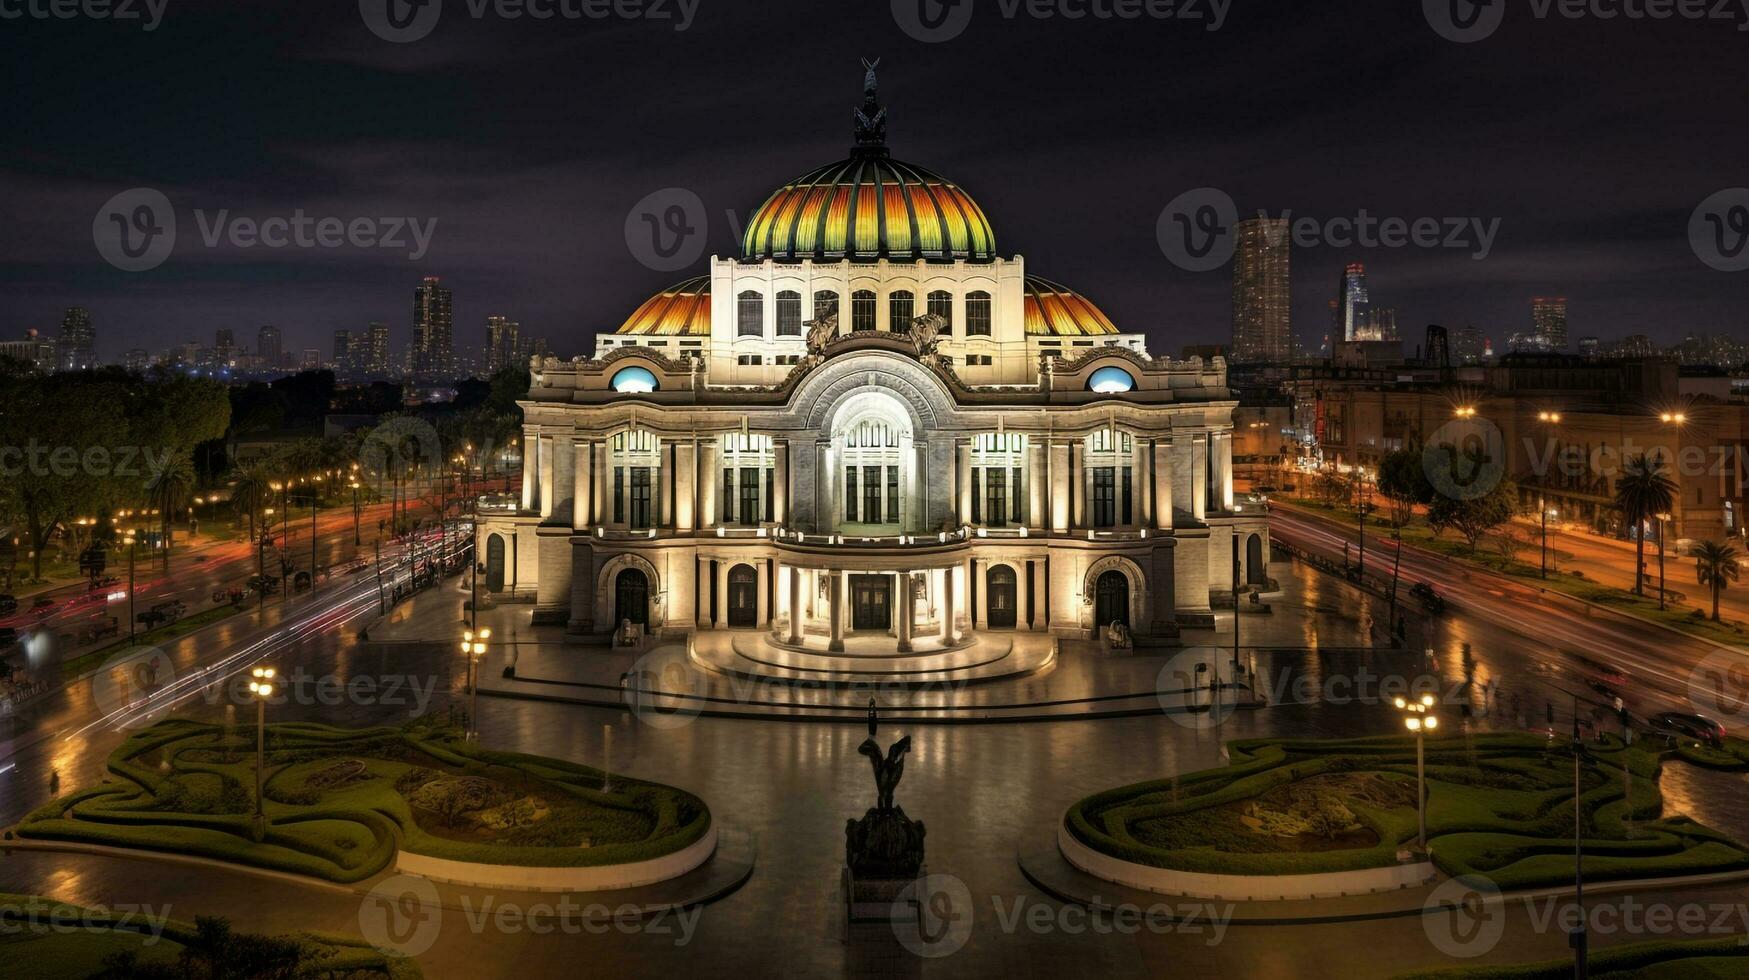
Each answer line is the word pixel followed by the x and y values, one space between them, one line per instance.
pixel 1642 492
pixel 65 437
pixel 1403 481
pixel 251 492
pixel 169 490
pixel 1716 566
pixel 1473 517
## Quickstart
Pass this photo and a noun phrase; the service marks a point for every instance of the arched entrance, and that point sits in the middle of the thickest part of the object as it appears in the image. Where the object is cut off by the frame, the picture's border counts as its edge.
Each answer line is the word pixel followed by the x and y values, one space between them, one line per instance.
pixel 1111 599
pixel 1256 572
pixel 1002 586
pixel 495 563
pixel 743 596
pixel 631 597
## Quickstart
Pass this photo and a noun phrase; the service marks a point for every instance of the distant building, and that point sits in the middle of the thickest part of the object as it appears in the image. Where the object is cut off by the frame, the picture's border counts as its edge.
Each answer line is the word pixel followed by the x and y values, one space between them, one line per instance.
pixel 137 359
pixel 1384 323
pixel 376 349
pixel 1469 346
pixel 344 354
pixel 76 350
pixel 34 350
pixel 1633 347
pixel 1262 330
pixel 312 360
pixel 1548 317
pixel 1590 348
pixel 1353 306
pixel 501 343
pixel 433 352
pixel 269 347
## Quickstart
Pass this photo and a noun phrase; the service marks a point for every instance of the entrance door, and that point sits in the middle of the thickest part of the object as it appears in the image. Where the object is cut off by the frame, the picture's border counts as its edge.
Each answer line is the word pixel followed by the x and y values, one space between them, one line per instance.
pixel 495 563
pixel 743 596
pixel 871 602
pixel 631 598
pixel 1001 584
pixel 1111 599
pixel 1255 572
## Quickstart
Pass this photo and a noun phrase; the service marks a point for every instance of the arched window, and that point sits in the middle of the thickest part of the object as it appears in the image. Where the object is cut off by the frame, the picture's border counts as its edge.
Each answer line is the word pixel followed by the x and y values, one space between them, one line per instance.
pixel 862 310
pixel 978 314
pixel 941 304
pixel 1110 381
pixel 633 380
pixel 901 309
pixel 750 314
pixel 825 304
pixel 789 313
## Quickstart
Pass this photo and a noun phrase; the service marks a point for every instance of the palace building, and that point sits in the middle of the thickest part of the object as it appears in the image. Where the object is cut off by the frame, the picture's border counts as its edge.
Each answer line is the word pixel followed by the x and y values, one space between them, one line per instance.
pixel 871 422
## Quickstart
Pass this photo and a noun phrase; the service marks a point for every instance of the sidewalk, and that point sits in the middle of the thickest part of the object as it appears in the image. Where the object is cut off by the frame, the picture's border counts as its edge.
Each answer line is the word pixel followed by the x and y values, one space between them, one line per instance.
pixel 1609 561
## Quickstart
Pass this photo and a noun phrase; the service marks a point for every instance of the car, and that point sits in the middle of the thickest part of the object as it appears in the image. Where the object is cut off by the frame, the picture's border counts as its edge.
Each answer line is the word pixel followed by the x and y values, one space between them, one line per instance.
pixel 8 605
pixel 43 605
pixel 1685 725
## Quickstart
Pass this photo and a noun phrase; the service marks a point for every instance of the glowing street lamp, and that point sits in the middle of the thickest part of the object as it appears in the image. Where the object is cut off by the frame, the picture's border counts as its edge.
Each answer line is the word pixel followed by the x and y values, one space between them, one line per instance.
pixel 474 649
pixel 1549 421
pixel 260 688
pixel 1418 720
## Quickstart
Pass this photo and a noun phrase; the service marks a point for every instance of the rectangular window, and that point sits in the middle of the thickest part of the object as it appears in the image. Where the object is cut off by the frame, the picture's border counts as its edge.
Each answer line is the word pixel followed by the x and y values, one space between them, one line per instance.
pixel 770 499
pixel 640 511
pixel 619 495
pixel 749 495
pixel 871 494
pixel 1019 498
pixel 789 314
pixel 850 494
pixel 978 314
pixel 901 310
pixel 1126 496
pixel 996 496
pixel 727 507
pixel 977 498
pixel 1104 496
pixel 892 495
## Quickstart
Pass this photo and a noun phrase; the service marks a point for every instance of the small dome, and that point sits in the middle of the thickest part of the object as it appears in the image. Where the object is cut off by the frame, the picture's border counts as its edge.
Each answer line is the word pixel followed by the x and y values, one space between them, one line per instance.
pixel 680 310
pixel 866 208
pixel 1054 310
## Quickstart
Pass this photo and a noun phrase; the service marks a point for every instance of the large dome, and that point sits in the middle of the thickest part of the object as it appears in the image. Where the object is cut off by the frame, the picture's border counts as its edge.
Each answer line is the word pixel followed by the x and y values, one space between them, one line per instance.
pixel 870 207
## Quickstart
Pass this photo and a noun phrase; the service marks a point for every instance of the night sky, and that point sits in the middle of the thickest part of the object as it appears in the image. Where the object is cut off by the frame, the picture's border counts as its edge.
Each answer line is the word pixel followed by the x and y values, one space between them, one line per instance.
pixel 1592 141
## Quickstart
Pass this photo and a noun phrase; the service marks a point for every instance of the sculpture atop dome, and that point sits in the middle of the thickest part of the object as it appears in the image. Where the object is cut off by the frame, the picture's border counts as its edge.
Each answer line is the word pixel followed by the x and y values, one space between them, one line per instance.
pixel 871 117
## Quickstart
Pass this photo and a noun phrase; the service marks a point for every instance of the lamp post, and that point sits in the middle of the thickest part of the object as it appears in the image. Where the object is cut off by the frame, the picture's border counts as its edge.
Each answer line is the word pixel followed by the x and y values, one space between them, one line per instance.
pixel 260 688
pixel 1663 529
pixel 133 547
pixel 1549 421
pixel 1417 720
pixel 356 539
pixel 315 501
pixel 474 648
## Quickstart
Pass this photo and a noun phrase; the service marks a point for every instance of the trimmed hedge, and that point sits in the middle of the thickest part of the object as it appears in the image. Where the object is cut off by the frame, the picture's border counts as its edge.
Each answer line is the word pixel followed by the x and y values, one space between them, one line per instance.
pixel 1727 957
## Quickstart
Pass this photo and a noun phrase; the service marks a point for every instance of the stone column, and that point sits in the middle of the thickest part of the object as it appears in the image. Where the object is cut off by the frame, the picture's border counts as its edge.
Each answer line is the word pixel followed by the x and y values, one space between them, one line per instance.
pixel 602 484
pixel 906 610
pixel 1036 518
pixel 1022 609
pixel 780 485
pixel 1224 473
pixel 582 516
pixel 962 477
pixel 722 604
pixel 762 606
pixel 1041 606
pixel 708 481
pixel 977 571
pixel 1162 484
pixel 704 593
pixel 1138 480
pixel 947 606
pixel 1078 481
pixel 685 464
pixel 1059 454
pixel 530 465
pixel 664 496
pixel 796 605
pixel 1199 475
pixel 835 607
pixel 546 476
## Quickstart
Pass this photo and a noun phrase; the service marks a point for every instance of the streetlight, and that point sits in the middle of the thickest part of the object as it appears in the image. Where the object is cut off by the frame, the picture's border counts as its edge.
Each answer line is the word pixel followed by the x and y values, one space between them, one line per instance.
pixel 1464 411
pixel 260 688
pixel 474 649
pixel 1549 421
pixel 1663 529
pixel 132 542
pixel 1417 720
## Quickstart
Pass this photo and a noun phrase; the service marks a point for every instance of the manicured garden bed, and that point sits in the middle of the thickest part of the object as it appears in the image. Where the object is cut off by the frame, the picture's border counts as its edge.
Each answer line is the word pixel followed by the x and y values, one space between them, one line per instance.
pixel 339 802
pixel 1498 805
pixel 1709 959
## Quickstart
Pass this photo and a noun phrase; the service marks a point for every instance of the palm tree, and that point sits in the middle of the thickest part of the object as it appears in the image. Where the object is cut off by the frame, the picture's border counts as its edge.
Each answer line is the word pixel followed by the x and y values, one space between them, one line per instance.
pixel 1641 492
pixel 251 491
pixel 168 491
pixel 1716 565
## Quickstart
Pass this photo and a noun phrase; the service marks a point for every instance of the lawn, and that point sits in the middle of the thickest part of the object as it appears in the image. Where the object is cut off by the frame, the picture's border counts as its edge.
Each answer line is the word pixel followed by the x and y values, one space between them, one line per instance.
pixel 340 801
pixel 60 941
pixel 1500 806
pixel 1708 959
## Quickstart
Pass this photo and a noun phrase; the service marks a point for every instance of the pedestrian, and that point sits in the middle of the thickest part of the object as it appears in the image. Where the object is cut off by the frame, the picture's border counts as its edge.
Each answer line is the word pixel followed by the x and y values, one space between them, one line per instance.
pixel 54 782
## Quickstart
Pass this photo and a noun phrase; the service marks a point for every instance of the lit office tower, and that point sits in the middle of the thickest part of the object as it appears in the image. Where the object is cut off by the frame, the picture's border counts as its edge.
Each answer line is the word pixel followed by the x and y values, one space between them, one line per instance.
pixel 268 348
pixel 433 336
pixel 376 349
pixel 1548 315
pixel 1261 326
pixel 344 351
pixel 501 344
pixel 1353 308
pixel 76 350
pixel 312 360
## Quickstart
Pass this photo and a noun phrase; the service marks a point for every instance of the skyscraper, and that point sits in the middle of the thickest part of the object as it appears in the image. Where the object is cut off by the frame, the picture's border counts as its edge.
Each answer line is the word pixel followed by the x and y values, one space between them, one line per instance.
pixel 376 349
pixel 76 349
pixel 1383 323
pixel 344 353
pixel 268 348
pixel 312 359
pixel 433 334
pixel 1548 317
pixel 1468 345
pixel 501 342
pixel 1353 308
pixel 1262 330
